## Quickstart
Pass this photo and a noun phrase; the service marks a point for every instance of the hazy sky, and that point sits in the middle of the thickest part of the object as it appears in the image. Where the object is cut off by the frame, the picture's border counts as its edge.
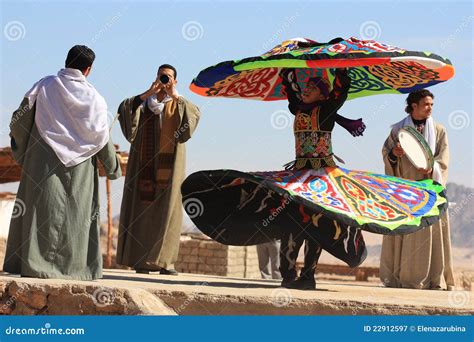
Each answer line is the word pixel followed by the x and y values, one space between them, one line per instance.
pixel 131 39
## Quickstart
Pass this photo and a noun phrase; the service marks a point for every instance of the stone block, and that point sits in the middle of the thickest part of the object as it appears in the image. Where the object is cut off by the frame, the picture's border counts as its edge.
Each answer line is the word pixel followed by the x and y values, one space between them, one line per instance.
pixel 184 250
pixel 220 253
pixel 189 258
pixel 205 252
pixel 192 243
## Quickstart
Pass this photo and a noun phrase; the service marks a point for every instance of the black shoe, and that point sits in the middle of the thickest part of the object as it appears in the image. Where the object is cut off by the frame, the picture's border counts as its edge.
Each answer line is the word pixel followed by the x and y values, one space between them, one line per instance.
pixel 287 282
pixel 168 272
pixel 142 271
pixel 303 284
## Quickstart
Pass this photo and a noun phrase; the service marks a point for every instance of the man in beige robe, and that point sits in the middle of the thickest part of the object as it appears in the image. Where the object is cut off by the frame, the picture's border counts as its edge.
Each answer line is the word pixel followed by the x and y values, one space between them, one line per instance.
pixel 157 123
pixel 421 260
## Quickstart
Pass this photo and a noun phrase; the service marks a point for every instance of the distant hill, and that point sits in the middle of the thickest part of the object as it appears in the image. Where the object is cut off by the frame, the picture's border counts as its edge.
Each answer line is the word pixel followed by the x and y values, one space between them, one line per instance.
pixel 461 215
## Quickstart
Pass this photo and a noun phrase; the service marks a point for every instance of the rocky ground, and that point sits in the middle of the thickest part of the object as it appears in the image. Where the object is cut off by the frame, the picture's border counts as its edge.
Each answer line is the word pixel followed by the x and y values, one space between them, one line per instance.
pixel 125 292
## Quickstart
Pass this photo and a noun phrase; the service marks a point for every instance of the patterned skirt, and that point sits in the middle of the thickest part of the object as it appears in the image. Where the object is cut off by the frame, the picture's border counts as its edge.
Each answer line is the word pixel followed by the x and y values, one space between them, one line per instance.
pixel 330 204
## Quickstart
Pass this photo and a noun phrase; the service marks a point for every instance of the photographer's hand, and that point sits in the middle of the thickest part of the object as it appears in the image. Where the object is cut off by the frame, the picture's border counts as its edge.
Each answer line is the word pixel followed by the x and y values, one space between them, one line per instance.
pixel 170 89
pixel 155 88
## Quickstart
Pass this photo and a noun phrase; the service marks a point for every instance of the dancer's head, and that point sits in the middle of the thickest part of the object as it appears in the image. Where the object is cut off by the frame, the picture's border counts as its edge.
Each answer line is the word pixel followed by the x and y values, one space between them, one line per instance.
pixel 317 89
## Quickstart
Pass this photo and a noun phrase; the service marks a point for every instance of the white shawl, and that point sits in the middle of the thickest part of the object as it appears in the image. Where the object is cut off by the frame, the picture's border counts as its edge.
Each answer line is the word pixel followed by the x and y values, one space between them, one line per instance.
pixel 71 116
pixel 156 106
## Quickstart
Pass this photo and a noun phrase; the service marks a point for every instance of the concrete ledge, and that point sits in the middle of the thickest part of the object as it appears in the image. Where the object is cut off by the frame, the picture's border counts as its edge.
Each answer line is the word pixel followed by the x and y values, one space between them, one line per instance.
pixel 123 292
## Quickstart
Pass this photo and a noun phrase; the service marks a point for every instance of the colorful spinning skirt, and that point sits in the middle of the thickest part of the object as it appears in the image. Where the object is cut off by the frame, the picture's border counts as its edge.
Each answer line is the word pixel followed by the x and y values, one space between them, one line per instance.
pixel 330 204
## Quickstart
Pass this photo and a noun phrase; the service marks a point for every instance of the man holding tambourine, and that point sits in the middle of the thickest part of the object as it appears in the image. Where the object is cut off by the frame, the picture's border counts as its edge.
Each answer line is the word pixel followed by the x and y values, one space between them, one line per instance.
pixel 417 148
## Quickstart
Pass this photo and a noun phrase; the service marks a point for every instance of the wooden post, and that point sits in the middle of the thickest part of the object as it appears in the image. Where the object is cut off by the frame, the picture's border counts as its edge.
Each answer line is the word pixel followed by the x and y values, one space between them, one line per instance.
pixel 108 261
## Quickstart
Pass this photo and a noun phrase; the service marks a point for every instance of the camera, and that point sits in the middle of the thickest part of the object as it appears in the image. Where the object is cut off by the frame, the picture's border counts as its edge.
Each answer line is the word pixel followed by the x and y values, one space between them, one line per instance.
pixel 164 79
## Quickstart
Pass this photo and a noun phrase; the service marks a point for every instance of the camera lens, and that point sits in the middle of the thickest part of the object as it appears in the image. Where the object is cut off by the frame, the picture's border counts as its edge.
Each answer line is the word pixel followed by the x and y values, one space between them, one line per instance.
pixel 164 79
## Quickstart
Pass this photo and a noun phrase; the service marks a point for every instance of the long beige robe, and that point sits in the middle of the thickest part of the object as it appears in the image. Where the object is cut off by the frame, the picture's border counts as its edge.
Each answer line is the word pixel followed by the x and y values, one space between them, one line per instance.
pixel 421 260
pixel 149 232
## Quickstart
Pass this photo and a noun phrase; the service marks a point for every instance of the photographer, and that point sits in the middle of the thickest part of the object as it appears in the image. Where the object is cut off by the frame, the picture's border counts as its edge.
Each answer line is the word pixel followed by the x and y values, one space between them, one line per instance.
pixel 157 123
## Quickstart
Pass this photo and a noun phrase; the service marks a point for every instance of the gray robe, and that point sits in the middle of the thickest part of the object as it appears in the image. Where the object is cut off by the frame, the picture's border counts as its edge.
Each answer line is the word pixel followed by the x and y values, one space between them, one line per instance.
pixel 421 260
pixel 149 233
pixel 54 231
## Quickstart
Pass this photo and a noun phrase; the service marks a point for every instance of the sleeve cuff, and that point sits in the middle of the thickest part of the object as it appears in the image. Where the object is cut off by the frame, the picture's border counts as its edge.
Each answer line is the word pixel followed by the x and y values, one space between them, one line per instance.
pixel 137 101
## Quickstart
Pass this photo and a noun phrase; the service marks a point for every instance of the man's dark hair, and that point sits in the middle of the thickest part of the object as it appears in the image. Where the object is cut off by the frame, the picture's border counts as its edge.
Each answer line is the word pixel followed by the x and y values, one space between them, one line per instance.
pixel 415 97
pixel 80 57
pixel 169 66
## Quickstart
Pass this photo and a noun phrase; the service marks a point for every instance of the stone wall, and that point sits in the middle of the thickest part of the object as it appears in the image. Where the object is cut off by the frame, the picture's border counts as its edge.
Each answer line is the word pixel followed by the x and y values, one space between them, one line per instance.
pixel 200 255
